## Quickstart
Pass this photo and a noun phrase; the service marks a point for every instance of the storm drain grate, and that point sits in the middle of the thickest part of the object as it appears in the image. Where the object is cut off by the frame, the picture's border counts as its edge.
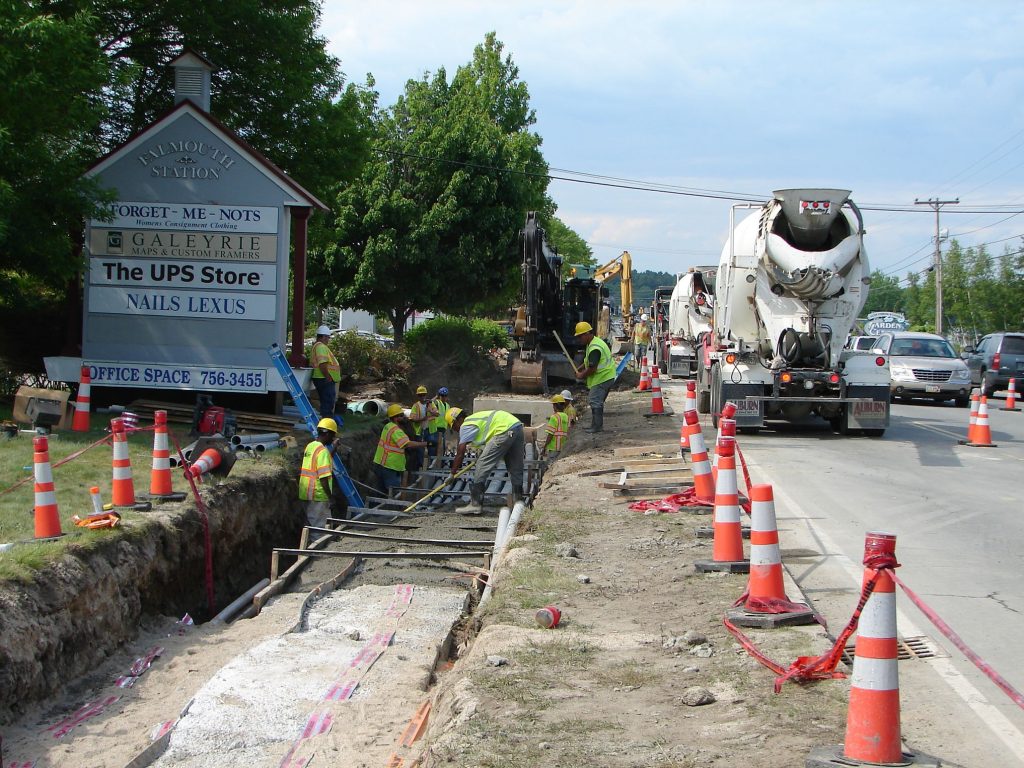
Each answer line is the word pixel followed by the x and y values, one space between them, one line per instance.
pixel 919 647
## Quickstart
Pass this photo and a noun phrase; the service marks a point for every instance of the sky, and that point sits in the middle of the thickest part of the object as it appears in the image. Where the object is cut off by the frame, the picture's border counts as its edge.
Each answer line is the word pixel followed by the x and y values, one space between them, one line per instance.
pixel 895 101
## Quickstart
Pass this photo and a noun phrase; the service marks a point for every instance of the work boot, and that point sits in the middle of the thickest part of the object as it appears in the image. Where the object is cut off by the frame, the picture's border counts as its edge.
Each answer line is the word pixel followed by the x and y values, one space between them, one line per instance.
pixel 470 509
pixel 596 420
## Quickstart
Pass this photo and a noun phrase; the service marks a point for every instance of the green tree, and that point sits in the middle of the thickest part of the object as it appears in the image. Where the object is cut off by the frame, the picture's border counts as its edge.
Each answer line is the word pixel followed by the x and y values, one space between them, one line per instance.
pixel 570 246
pixel 885 294
pixel 432 221
pixel 50 74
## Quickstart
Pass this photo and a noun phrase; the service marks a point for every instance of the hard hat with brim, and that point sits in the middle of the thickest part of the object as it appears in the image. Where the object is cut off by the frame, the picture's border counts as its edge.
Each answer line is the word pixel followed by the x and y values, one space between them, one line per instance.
pixel 452 415
pixel 421 390
pixel 327 425
pixel 442 391
pixel 582 328
pixel 567 395
pixel 394 410
pixel 557 399
pixel 323 330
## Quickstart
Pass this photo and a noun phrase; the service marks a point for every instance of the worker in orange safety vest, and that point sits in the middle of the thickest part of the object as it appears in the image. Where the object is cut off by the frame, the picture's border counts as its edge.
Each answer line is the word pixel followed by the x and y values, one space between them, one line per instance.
pixel 557 428
pixel 389 459
pixel 317 490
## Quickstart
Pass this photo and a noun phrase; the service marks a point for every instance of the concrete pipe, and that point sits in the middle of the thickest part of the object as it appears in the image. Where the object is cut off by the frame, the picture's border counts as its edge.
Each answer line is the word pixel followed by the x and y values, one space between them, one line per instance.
pixel 266 437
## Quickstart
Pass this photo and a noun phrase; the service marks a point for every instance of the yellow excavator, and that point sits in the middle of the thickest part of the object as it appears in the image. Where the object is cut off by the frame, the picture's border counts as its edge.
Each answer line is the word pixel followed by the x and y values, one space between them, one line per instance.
pixel 548 315
pixel 622 267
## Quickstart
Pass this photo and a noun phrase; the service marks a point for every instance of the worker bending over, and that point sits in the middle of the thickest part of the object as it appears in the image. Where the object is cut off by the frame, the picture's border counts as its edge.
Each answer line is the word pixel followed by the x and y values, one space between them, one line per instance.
pixel 598 373
pixel 557 428
pixel 497 436
pixel 389 458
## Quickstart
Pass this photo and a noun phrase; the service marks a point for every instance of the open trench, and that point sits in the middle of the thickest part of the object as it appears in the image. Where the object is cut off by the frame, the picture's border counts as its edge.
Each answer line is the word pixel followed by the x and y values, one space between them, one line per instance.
pixel 61 634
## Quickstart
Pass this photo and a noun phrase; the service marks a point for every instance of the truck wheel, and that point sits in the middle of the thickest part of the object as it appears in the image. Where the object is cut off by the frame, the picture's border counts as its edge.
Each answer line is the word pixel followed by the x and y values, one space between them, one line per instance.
pixel 703 401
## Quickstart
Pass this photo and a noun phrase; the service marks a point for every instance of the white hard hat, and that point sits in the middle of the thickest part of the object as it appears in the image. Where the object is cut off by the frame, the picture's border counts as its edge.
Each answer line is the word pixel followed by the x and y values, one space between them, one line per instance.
pixel 643 318
pixel 567 394
pixel 323 330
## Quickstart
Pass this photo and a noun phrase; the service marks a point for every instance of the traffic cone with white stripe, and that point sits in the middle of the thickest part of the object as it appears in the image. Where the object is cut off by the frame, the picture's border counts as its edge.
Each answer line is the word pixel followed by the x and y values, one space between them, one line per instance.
pixel 684 440
pixel 691 396
pixel 727 550
pixel 982 434
pixel 1011 397
pixel 703 484
pixel 765 604
pixel 123 490
pixel 972 419
pixel 873 713
pixel 657 404
pixel 645 377
pixel 47 516
pixel 160 476
pixel 207 462
pixel 80 421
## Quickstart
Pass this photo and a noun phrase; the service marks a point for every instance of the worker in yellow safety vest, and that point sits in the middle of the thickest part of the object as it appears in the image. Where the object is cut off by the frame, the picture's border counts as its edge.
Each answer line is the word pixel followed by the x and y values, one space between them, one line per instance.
pixel 641 339
pixel 438 424
pixel 598 372
pixel 316 477
pixel 557 428
pixel 326 372
pixel 496 436
pixel 421 414
pixel 389 459
pixel 570 409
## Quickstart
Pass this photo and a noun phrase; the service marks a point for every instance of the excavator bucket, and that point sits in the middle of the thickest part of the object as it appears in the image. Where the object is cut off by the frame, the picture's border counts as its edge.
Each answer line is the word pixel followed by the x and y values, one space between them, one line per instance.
pixel 528 377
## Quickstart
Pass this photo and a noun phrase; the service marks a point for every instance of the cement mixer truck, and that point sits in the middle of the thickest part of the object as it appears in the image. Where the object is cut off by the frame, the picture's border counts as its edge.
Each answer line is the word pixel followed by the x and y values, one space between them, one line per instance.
pixel 792 279
pixel 690 311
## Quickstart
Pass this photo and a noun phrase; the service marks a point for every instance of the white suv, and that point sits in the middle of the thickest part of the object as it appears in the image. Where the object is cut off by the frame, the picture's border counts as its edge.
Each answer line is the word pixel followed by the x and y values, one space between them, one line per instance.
pixel 924 365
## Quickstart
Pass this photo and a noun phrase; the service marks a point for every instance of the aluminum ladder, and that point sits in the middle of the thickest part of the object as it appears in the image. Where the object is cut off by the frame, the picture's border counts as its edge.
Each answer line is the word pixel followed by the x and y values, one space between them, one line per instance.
pixel 341 475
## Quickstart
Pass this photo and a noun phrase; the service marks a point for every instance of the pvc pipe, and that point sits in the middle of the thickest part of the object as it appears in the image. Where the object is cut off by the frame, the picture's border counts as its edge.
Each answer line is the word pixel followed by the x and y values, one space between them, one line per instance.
pixel 266 437
pixel 226 615
pixel 501 541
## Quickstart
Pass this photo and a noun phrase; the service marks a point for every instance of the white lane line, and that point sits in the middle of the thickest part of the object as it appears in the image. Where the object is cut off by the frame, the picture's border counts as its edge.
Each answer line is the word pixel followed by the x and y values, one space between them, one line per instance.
pixel 996 721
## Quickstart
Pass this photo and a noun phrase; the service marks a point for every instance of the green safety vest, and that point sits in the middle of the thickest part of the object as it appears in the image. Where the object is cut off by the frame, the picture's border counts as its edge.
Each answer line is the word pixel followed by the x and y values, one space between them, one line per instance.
pixel 439 424
pixel 321 353
pixel 390 451
pixel 490 423
pixel 559 424
pixel 605 366
pixel 316 463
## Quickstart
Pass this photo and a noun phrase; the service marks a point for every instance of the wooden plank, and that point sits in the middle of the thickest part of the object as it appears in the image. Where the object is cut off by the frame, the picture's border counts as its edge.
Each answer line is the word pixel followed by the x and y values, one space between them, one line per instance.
pixel 632 474
pixel 383 555
pixel 650 450
pixel 653 491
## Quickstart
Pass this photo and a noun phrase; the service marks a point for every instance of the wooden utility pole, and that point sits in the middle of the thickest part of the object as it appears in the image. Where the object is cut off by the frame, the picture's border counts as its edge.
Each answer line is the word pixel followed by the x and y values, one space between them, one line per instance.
pixel 936 204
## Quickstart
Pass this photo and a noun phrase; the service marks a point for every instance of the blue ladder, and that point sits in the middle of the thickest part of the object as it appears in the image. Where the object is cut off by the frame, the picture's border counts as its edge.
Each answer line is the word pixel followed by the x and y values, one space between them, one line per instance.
pixel 310 416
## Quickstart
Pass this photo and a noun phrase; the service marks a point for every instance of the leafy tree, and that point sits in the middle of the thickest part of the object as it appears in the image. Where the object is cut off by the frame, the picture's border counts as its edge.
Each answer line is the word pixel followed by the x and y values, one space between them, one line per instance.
pixel 885 294
pixel 644 284
pixel 50 74
pixel 431 222
pixel 570 246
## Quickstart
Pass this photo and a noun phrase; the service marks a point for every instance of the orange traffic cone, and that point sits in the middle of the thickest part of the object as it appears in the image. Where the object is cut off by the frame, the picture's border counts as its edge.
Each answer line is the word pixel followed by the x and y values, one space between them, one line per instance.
pixel 703 484
pixel 765 604
pixel 873 713
pixel 982 434
pixel 684 439
pixel 1011 397
pixel 972 419
pixel 691 396
pixel 657 404
pixel 160 476
pixel 727 550
pixel 80 421
pixel 123 492
pixel 47 517
pixel 645 377
pixel 207 462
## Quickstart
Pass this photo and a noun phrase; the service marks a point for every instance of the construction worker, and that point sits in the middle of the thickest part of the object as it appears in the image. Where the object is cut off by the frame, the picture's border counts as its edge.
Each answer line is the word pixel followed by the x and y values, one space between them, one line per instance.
pixel 438 424
pixel 598 373
pixel 497 436
pixel 326 372
pixel 389 460
pixel 421 414
pixel 316 477
pixel 557 428
pixel 570 409
pixel 641 338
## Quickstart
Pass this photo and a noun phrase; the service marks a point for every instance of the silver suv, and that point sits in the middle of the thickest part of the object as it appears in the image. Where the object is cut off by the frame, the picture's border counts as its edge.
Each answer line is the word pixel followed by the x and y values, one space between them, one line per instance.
pixel 925 365
pixel 998 358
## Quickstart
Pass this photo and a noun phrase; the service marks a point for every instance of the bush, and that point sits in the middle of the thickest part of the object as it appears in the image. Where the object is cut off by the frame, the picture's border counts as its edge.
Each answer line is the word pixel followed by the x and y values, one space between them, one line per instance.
pixel 365 359
pixel 455 337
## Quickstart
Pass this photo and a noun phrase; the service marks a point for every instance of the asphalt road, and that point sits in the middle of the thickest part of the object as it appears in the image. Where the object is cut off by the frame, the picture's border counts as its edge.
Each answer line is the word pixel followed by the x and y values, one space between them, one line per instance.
pixel 958 514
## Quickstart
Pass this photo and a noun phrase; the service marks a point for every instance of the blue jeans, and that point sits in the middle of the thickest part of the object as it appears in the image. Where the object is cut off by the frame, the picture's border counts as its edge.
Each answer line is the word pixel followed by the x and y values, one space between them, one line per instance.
pixel 389 478
pixel 327 392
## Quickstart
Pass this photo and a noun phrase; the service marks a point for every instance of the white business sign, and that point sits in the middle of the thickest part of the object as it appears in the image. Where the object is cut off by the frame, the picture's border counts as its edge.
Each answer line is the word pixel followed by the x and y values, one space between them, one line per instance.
pixel 191 216
pixel 210 305
pixel 167 376
pixel 177 274
pixel 147 243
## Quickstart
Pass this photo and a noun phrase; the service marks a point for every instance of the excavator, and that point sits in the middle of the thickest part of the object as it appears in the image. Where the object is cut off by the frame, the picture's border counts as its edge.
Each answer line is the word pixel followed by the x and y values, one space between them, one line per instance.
pixel 621 266
pixel 545 321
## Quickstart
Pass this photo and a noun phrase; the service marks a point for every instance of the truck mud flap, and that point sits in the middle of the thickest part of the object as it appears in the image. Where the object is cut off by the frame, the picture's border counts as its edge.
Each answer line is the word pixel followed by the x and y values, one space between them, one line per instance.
pixel 749 412
pixel 870 412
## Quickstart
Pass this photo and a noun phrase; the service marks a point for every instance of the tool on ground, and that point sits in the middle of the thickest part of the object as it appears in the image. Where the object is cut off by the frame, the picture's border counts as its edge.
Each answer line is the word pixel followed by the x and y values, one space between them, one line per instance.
pixel 566 352
pixel 311 418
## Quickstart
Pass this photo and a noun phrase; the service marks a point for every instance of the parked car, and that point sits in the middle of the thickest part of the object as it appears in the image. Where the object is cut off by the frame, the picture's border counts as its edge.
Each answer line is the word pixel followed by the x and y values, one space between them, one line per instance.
pixel 861 343
pixel 998 358
pixel 925 365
